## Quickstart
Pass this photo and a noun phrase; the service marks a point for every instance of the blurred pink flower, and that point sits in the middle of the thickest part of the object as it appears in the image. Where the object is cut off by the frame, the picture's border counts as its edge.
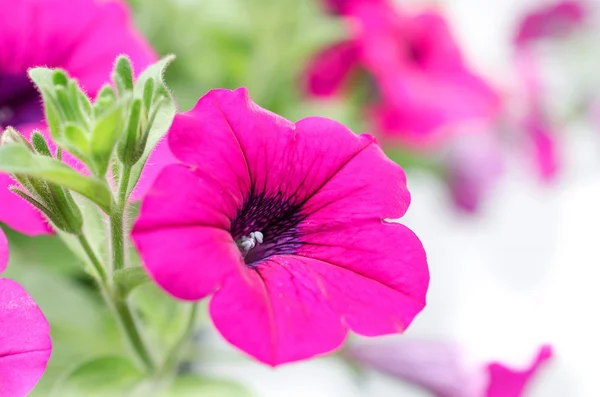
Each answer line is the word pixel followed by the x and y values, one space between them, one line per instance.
pixel 328 71
pixel 341 6
pixel 422 80
pixel 510 382
pixel 445 370
pixel 557 19
pixel 474 164
pixel 25 344
pixel 287 224
pixel 83 37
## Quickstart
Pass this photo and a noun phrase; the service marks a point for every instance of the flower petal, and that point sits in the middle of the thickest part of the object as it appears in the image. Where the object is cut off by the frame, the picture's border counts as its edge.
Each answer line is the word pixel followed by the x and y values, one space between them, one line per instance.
pixel 440 367
pixel 377 272
pixel 19 214
pixel 330 68
pixel 25 345
pixel 274 155
pixel 277 313
pixel 551 20
pixel 506 382
pixel 189 262
pixel 346 233
pixel 194 203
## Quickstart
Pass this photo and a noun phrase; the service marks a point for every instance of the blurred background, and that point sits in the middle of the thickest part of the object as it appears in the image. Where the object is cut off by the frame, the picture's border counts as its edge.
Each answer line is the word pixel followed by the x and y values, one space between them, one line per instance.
pixel 493 110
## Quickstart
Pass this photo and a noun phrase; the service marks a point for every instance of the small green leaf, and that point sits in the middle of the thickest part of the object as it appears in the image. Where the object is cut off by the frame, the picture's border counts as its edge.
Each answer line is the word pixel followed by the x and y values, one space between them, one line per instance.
pixel 105 135
pixel 59 77
pixel 100 377
pixel 148 93
pixel 105 99
pixel 129 279
pixel 16 159
pixel 76 140
pixel 43 78
pixel 127 146
pixel 124 70
pixel 39 144
pixel 192 386
pixel 161 113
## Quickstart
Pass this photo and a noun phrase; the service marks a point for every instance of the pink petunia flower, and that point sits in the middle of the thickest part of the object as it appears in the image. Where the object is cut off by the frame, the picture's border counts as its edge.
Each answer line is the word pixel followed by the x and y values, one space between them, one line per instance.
pixel 446 370
pixel 550 21
pixel 25 345
pixel 422 81
pixel 83 37
pixel 288 225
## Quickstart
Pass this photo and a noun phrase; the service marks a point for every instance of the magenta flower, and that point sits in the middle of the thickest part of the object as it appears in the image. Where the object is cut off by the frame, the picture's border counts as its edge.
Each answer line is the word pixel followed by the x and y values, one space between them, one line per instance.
pixel 445 370
pixel 421 78
pixel 554 20
pixel 25 344
pixel 288 225
pixel 557 19
pixel 84 37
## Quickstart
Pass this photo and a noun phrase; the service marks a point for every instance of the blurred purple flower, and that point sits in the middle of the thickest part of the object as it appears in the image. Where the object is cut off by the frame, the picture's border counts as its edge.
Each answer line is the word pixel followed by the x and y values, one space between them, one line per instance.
pixel 422 80
pixel 557 19
pixel 445 370
pixel 474 164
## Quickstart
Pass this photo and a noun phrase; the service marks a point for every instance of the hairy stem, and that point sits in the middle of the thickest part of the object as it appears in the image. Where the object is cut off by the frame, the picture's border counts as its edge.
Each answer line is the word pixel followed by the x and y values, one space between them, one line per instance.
pixel 117 230
pixel 87 248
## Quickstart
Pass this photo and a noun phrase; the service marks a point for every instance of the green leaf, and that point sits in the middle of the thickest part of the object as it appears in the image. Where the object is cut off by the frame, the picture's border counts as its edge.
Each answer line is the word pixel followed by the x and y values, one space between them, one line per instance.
pixel 105 135
pixel 16 159
pixel 128 144
pixel 39 144
pixel 129 279
pixel 100 377
pixel 162 115
pixel 124 70
pixel 47 81
pixel 105 99
pixel 76 141
pixel 192 386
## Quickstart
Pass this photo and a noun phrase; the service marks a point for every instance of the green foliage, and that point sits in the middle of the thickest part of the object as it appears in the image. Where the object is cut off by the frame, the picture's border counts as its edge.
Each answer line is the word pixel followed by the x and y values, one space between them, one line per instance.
pixel 100 377
pixel 16 159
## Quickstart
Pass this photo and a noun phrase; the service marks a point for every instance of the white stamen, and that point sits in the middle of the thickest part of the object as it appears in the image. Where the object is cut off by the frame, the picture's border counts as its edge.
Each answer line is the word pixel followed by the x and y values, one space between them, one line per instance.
pixel 258 236
pixel 248 243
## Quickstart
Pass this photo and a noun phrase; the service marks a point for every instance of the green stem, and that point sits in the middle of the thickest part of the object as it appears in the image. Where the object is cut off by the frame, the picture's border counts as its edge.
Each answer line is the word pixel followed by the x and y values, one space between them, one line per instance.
pixel 118 242
pixel 124 185
pixel 173 356
pixel 93 258
pixel 117 230
pixel 129 326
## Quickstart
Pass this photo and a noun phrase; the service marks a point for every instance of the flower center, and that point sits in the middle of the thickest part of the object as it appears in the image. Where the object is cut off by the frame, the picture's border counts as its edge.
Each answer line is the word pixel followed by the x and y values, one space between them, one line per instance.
pixel 248 243
pixel 19 101
pixel 266 226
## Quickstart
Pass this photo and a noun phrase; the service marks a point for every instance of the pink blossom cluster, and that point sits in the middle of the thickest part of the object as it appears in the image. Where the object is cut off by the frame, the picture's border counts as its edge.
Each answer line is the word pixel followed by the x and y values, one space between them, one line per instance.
pixel 427 97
